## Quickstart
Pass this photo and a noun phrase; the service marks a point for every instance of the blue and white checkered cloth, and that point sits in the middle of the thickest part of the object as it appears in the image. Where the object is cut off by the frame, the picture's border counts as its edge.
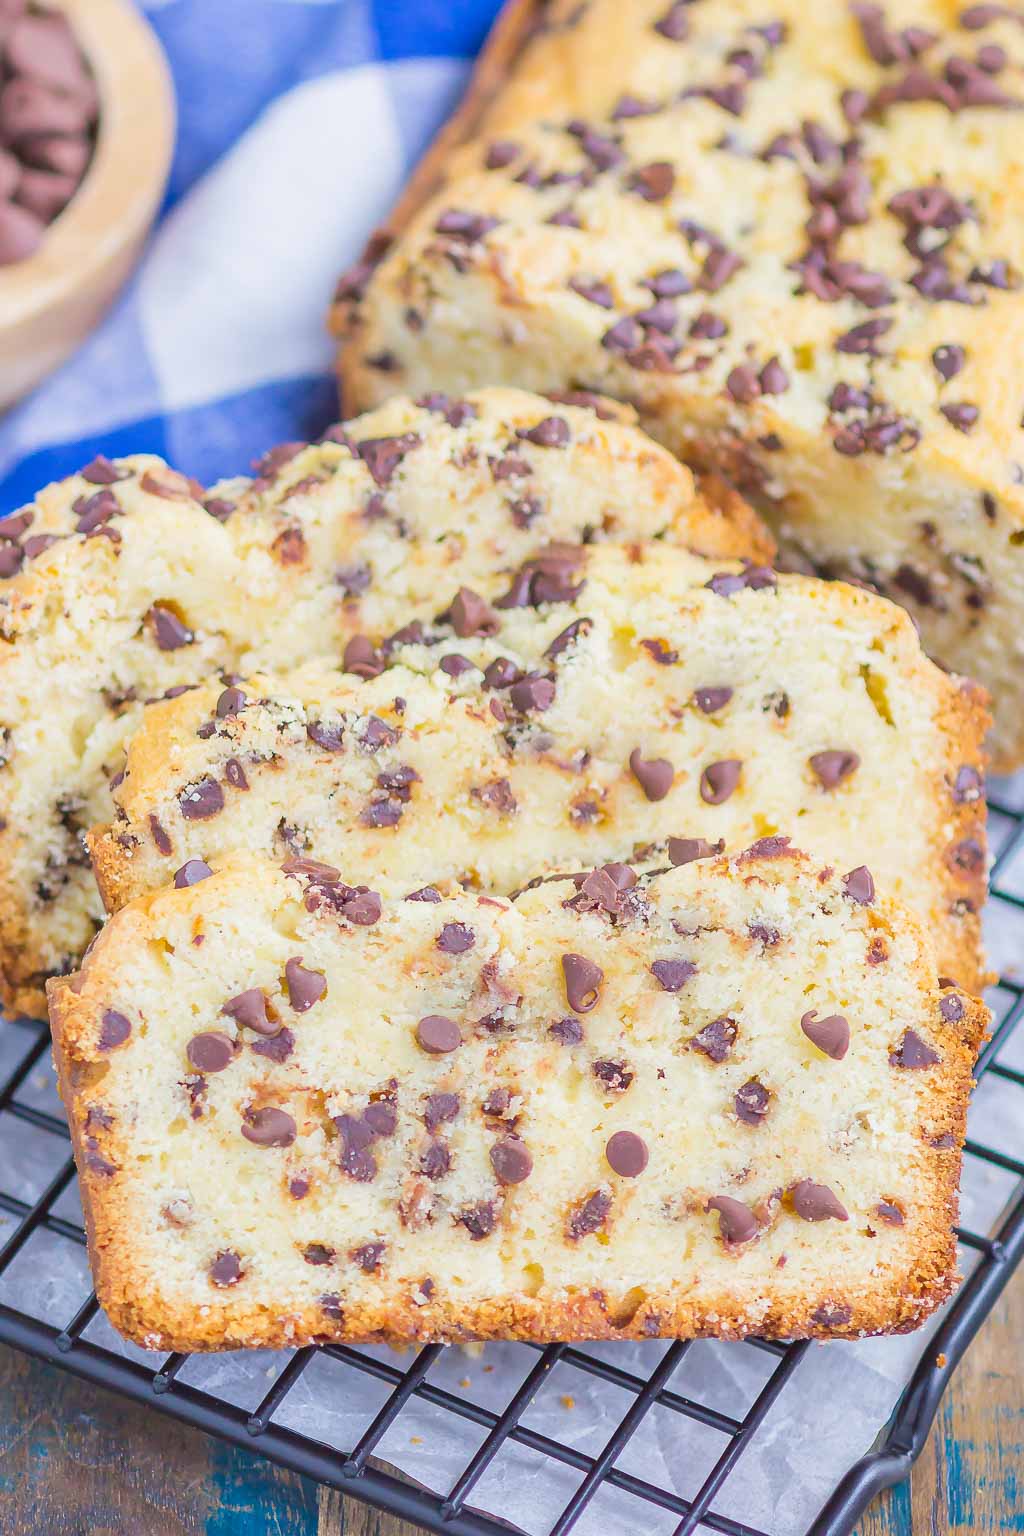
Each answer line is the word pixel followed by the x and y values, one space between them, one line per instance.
pixel 299 120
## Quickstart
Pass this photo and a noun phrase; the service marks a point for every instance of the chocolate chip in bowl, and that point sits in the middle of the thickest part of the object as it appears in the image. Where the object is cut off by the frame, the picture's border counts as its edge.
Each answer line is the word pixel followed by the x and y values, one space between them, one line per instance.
pixel 86 134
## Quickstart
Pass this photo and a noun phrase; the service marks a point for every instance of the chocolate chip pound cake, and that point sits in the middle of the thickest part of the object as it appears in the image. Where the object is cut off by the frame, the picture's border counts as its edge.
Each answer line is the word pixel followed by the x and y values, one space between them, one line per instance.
pixel 128 582
pixel 793 237
pixel 611 1109
pixel 598 701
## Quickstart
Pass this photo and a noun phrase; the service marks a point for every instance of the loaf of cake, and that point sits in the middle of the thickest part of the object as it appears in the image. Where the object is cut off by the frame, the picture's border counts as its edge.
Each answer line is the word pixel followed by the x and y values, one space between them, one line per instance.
pixel 305 1112
pixel 625 696
pixel 128 581
pixel 793 237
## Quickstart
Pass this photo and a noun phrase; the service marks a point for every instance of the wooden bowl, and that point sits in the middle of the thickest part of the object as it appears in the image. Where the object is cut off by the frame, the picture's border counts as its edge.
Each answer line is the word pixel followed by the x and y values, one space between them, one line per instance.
pixel 50 303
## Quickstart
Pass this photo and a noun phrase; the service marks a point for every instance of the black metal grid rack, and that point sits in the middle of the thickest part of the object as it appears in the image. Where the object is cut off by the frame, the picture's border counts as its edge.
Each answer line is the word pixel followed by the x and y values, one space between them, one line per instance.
pixel 63 1342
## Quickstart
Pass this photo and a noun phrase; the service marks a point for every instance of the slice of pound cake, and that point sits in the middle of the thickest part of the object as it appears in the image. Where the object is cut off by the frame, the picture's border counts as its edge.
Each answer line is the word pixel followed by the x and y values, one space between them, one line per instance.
pixel 793 237
pixel 725 1099
pixel 128 581
pixel 624 695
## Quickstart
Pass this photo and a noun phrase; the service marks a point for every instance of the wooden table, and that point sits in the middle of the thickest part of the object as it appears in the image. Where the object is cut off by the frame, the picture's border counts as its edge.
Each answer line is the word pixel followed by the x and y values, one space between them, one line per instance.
pixel 75 1461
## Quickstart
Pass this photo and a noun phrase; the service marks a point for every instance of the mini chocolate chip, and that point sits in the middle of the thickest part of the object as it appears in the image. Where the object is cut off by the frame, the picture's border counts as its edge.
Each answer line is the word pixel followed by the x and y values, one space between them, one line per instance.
pixel 890 1213
pixel 949 360
pixel 201 801
pixel 435 1160
pixel 566 1031
pixel 593 291
pixel 831 1034
pixel 268 1127
pixel 719 266
pixel 672 974
pixel 249 1009
pixel 438 1035
pixel 860 341
pixel 562 641
pixel 368 1256
pixel 952 1009
pixel 831 768
pixel 719 780
pixel 439 1108
pixel 859 886
pixel 362 657
pixel 479 1220
pixel 675 24
pixel 93 511
pixel 511 1160
pixel 463 224
pixel 356 1138
pixel 627 1154
pixel 455 939
pixel 210 1051
pixel 582 982
pixel 191 872
pixel 623 336
pixel 654 182
pixel 710 700
pixel 589 1216
pixel 425 893
pixel 751 1102
pixel 317 1253
pixel 497 1102
pixel 551 432
pixel 685 850
pixel 304 987
pixel 160 838
pixel 114 1030
pixel 962 416
pixel 298 1187
pixel 707 327
pixel 470 615
pixel 736 1222
pixel 226 1269
pixel 499 154
pixel 231 702
pixel 169 632
pixel 235 774
pixel 816 1202
pixel 312 869
pixel 102 472
pixel 716 1039
pixel 742 384
pixel 773 378
pixel 363 909
pixel 383 455
pixel 654 775
pixel 660 652
pixel 968 786
pixel 330 1306
pixel 532 693
pixel 615 1075
pixel 454 665
pixel 277 1048
pixel 913 1053
pixel 966 857
pixel 501 673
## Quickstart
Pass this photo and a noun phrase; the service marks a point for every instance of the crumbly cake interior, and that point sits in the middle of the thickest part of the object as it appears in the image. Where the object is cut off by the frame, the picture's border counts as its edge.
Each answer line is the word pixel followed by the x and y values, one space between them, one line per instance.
pixel 726 1099
pixel 660 695
pixel 127 581
pixel 792 237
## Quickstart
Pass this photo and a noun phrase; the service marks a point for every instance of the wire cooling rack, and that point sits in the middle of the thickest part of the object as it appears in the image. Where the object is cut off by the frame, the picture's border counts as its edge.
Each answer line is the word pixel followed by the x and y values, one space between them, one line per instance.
pixel 46 1240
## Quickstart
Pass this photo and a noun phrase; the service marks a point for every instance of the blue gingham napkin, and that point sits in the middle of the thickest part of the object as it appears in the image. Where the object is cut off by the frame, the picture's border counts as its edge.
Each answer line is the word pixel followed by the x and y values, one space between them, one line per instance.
pixel 299 120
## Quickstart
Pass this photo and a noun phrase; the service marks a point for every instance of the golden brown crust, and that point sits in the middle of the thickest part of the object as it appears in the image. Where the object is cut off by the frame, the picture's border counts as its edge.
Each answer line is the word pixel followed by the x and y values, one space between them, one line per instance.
pixel 853 1306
